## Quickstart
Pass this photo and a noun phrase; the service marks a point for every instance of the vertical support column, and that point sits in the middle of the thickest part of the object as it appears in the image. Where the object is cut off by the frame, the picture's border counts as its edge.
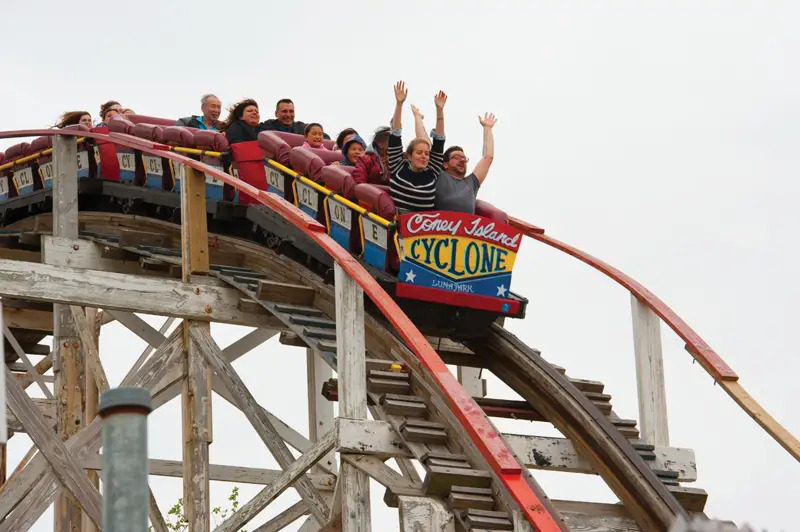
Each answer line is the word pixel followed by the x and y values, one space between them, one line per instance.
pixel 92 398
pixel 351 356
pixel 196 396
pixel 320 410
pixel 649 374
pixel 68 364
pixel 470 379
pixel 3 423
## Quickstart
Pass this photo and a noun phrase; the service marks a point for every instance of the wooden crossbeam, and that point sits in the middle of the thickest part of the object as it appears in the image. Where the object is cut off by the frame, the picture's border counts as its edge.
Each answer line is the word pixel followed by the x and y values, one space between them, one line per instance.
pixel 290 475
pixel 285 518
pixel 92 355
pixel 114 291
pixel 276 292
pixel 32 373
pixel 138 326
pixel 265 429
pixel 385 475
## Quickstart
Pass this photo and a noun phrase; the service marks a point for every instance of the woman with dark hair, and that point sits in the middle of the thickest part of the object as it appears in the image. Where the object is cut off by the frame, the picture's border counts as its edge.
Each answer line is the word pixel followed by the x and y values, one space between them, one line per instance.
pixel 107 110
pixel 71 118
pixel 242 124
pixel 343 136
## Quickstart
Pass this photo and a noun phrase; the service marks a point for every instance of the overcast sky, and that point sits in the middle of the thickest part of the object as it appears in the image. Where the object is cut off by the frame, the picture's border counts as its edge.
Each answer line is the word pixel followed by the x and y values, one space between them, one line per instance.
pixel 660 136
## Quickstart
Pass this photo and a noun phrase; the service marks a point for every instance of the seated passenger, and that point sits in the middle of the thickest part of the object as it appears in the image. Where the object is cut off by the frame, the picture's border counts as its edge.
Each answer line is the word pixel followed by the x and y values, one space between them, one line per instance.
pixel 313 134
pixel 211 106
pixel 455 190
pixel 107 110
pixel 373 166
pixel 70 118
pixel 284 119
pixel 352 150
pixel 412 181
pixel 128 112
pixel 343 136
pixel 242 123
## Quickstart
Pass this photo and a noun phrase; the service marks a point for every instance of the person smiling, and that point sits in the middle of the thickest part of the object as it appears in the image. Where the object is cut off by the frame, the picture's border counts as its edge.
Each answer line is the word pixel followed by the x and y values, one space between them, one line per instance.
pixel 412 182
pixel 455 190
pixel 242 124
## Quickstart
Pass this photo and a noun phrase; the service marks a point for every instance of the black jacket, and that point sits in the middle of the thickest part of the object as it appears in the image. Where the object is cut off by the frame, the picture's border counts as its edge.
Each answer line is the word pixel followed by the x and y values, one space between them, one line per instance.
pixel 239 131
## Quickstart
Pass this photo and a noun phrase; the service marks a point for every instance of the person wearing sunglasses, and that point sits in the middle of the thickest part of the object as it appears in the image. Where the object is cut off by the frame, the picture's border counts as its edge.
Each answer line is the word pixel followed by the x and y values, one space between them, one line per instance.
pixel 455 190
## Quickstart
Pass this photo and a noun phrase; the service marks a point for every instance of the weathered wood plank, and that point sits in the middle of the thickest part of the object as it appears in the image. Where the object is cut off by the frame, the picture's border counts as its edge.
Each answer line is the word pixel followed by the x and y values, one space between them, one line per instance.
pixel 47 409
pixel 90 350
pixel 167 297
pixel 364 436
pixel 320 410
pixel 35 320
pixel 138 326
pixel 289 475
pixel 62 462
pixel 649 374
pixel 285 518
pixel 132 238
pixel 265 429
pixel 83 254
pixel 385 475
pixel 32 373
pixel 295 294
pixel 424 515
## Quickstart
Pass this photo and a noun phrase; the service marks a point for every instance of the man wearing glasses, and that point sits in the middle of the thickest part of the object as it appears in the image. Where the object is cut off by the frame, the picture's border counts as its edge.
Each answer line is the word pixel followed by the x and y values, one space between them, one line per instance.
pixel 455 190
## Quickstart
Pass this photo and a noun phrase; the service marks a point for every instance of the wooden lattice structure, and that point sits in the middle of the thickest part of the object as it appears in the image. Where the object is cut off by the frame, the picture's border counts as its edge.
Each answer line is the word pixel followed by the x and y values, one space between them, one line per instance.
pixel 397 400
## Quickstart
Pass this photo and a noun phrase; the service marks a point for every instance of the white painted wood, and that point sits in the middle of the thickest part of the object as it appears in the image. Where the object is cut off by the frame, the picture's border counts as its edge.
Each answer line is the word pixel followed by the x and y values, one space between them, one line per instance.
pixel 78 253
pixel 285 518
pixel 421 514
pixel 26 362
pixel 320 410
pixel 149 349
pixel 65 187
pixel 470 379
pixel 653 424
pixel 138 326
pixel 384 475
pixel 351 358
pixel 364 436
pixel 115 291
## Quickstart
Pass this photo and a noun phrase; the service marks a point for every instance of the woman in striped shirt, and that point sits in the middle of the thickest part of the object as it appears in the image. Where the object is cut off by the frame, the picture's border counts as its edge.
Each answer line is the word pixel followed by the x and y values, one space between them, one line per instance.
pixel 412 184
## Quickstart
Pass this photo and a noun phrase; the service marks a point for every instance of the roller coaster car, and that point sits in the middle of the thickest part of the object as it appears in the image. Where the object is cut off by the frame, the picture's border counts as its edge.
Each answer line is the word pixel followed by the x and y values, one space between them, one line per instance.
pixel 451 272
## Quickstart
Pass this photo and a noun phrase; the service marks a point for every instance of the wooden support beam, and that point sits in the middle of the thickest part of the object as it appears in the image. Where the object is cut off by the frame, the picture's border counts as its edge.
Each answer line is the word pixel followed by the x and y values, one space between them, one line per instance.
pixel 351 358
pixel 132 238
pixel 320 410
pixel 138 326
pixel 91 340
pixel 365 436
pixel 37 477
pixel 166 297
pixel 34 320
pixel 261 423
pixel 649 374
pixel 46 408
pixel 293 473
pixel 470 379
pixel 385 475
pixel 32 373
pixel 424 515
pixel 87 336
pixel 149 349
pixel 294 294
pixel 62 462
pixel 285 518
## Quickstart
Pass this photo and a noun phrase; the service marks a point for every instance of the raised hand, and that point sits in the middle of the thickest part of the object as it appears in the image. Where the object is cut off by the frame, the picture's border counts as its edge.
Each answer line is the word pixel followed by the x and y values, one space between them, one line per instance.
pixel 417 112
pixel 400 91
pixel 488 120
pixel 440 98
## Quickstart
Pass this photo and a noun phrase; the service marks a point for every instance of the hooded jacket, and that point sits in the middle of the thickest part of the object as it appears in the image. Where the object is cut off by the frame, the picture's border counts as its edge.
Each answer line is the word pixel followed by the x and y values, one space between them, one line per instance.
pixel 354 140
pixel 370 167
pixel 197 122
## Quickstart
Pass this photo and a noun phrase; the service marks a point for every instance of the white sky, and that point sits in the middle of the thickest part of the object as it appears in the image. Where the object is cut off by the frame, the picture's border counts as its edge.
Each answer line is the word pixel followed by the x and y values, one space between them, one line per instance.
pixel 660 136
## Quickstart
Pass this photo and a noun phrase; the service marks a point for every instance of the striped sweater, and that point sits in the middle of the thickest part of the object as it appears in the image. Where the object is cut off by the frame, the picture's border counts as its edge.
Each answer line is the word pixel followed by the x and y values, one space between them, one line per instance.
pixel 413 191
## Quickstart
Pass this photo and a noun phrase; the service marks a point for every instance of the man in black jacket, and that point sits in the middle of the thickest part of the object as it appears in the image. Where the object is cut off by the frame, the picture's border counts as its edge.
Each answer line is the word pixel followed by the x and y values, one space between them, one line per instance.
pixel 211 107
pixel 284 119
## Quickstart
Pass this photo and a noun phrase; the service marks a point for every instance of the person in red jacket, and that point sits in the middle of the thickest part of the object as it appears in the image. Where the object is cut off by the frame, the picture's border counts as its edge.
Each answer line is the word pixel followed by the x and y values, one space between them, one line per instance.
pixel 373 166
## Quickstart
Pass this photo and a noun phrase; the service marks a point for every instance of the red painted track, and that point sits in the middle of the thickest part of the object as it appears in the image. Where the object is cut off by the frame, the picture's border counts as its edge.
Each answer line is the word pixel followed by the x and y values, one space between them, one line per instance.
pixel 477 426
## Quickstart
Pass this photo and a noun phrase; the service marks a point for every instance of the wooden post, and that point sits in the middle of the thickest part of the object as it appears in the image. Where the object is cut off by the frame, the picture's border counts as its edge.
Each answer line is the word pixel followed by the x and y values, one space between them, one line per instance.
pixel 196 396
pixel 68 360
pixel 92 398
pixel 424 515
pixel 470 379
pixel 351 355
pixel 320 410
pixel 649 374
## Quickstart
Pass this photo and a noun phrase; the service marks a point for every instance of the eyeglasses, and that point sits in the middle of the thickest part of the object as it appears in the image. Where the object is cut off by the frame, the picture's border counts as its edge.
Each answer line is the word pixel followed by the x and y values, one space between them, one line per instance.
pixel 459 157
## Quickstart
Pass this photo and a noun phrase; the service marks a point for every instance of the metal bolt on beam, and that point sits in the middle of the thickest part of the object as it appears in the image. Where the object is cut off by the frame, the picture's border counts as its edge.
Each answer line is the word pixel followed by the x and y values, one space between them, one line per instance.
pixel 125 490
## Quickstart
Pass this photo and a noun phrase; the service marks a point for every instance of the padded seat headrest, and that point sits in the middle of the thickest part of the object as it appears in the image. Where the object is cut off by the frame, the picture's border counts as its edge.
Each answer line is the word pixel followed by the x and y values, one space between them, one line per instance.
pixel 120 124
pixel 339 181
pixel 274 147
pixel 149 132
pixel 328 156
pixel 79 127
pixel 41 143
pixel 375 199
pixel 179 136
pixel 144 119
pixel 487 210
pixel 18 150
pixel 306 162
pixel 292 139
pixel 210 140
pixel 2 158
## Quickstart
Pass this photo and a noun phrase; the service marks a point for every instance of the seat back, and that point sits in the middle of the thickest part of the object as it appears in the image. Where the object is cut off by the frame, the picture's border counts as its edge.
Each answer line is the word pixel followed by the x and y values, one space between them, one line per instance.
pixel 307 163
pixel 179 136
pixel 377 240
pixel 120 124
pixel 144 119
pixel 328 156
pixel 341 221
pixel 156 169
pixel 105 156
pixel 210 140
pixel 292 139
pixel 275 147
pixel 487 210
pixel 248 165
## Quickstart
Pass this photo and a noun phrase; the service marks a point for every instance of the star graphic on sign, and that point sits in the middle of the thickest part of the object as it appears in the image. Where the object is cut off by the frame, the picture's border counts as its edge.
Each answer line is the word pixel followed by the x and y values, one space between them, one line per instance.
pixel 501 290
pixel 410 276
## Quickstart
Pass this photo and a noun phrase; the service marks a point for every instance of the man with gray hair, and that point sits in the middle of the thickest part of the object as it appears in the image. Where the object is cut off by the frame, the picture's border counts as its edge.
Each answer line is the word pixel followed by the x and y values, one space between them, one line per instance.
pixel 211 107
